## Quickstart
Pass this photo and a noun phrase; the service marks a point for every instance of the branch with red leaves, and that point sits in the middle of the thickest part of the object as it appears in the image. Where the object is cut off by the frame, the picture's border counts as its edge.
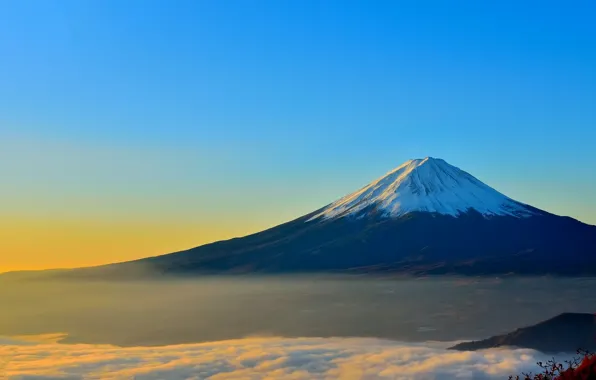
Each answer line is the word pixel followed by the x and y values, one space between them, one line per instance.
pixel 581 368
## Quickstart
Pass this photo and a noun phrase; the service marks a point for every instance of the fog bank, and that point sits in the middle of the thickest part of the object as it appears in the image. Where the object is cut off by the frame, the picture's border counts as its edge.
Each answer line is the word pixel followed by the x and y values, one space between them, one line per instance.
pixel 219 308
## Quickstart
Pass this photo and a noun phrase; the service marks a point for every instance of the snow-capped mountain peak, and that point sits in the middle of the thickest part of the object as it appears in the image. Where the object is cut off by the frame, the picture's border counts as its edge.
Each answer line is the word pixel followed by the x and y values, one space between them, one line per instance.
pixel 425 185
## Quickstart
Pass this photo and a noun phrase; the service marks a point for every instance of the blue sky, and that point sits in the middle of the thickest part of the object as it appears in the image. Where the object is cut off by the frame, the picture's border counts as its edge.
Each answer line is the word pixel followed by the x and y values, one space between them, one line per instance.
pixel 260 111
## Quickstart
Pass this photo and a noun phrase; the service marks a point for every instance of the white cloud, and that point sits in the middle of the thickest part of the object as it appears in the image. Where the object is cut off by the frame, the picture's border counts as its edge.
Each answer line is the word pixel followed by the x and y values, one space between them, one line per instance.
pixel 259 358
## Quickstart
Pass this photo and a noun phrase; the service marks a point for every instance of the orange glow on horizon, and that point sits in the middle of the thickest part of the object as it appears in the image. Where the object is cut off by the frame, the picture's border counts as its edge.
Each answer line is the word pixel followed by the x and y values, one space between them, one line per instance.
pixel 29 244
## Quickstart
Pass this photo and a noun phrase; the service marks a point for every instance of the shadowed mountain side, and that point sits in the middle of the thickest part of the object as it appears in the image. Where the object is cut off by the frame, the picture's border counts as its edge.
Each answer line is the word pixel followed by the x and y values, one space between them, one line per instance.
pixel 424 217
pixel 566 332
pixel 417 243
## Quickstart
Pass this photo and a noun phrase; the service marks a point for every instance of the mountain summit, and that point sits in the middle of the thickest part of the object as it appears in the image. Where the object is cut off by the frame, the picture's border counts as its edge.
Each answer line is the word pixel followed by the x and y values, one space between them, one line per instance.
pixel 424 217
pixel 426 185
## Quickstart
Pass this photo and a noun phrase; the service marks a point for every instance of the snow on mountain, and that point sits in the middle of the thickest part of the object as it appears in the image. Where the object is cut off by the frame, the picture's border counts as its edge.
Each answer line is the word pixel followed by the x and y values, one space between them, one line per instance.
pixel 426 185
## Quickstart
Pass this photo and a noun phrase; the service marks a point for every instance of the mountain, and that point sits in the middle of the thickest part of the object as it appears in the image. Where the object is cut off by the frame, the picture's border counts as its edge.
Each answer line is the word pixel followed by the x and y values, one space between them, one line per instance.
pixel 567 332
pixel 424 217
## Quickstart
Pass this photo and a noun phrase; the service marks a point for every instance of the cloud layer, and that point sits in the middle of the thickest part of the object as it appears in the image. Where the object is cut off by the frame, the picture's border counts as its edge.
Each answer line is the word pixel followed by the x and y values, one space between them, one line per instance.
pixel 259 358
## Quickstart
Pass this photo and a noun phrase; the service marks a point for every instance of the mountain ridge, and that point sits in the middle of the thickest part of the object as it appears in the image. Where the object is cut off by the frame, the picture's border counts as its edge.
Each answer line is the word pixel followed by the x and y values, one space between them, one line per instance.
pixel 566 332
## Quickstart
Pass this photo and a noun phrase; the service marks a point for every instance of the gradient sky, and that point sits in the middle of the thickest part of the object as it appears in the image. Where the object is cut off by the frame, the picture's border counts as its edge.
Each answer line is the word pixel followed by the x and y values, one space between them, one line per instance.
pixel 134 128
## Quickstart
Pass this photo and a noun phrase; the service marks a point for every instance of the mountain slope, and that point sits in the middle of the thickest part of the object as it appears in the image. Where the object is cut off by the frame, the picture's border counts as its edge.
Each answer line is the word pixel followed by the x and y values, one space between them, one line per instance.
pixel 425 217
pixel 567 332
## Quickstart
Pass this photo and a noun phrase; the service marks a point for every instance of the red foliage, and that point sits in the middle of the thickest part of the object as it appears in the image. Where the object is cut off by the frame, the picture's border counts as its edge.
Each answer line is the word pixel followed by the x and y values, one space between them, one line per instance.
pixel 576 370
pixel 585 371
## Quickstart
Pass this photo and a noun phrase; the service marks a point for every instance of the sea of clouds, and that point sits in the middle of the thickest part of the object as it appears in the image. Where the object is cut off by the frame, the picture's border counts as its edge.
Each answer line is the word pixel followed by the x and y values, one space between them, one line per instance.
pixel 259 358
